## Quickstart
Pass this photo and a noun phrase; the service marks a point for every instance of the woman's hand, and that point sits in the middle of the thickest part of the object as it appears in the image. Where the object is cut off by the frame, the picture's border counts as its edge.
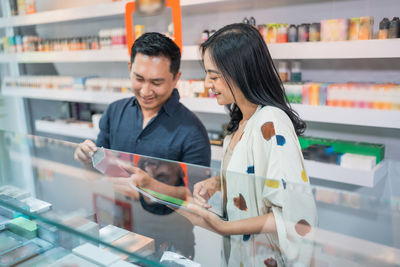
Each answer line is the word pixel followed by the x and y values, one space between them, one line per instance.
pixel 200 217
pixel 204 190
pixel 212 220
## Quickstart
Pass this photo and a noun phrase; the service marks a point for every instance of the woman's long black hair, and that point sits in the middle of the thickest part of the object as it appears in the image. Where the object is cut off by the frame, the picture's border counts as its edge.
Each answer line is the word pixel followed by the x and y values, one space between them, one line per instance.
pixel 241 55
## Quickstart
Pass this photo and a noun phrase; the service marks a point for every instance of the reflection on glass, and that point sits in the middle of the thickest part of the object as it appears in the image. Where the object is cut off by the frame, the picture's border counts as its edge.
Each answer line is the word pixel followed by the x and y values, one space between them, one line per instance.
pixel 47 195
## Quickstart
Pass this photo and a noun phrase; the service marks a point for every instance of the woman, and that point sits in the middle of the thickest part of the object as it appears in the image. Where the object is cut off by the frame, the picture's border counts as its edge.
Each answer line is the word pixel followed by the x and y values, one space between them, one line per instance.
pixel 269 202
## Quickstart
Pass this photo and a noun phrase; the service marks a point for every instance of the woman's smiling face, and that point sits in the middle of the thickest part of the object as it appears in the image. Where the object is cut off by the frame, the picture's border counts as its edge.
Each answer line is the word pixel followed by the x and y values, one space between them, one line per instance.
pixel 216 82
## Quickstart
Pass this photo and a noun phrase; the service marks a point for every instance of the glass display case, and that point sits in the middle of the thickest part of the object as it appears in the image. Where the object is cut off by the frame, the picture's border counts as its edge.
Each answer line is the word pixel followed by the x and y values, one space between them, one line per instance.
pixel 131 209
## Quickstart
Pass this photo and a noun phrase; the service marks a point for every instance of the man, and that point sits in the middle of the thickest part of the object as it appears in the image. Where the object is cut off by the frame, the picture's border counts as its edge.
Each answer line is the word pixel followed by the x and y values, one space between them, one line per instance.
pixel 154 122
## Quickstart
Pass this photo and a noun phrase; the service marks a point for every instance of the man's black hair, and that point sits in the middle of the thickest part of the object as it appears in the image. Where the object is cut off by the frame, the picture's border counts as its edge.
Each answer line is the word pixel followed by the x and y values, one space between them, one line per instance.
pixel 157 44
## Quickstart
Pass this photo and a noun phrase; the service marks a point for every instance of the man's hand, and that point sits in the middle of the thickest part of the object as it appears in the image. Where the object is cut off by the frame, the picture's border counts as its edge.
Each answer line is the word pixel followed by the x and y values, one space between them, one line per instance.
pixel 84 152
pixel 204 190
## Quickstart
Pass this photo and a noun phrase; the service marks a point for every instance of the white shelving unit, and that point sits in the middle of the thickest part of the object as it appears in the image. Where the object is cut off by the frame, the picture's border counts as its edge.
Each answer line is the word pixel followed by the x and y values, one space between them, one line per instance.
pixel 372 250
pixel 206 105
pixel 335 173
pixel 349 116
pixel 101 55
pixel 66 95
pixel 367 49
pixel 67 14
pixel 325 114
pixel 65 129
pixel 337 50
pixel 80 13
pixel 332 172
pixel 216 153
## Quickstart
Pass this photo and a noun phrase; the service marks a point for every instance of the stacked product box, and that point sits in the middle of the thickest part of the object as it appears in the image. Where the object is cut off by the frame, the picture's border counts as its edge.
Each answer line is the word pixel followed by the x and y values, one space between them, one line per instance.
pixel 360 28
pixel 28 242
pixel 106 39
pixel 344 153
pixel 193 88
pixel 22 7
pixel 353 95
pixel 70 83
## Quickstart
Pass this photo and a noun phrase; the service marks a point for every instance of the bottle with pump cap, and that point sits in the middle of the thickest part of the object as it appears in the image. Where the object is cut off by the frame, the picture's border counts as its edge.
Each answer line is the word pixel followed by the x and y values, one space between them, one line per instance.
pixel 252 21
pixel 394 29
pixel 295 75
pixel 283 71
pixel 292 33
pixel 384 26
pixel 205 35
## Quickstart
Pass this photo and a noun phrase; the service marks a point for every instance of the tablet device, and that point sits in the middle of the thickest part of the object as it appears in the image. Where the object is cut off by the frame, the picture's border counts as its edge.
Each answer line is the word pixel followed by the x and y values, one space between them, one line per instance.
pixel 169 201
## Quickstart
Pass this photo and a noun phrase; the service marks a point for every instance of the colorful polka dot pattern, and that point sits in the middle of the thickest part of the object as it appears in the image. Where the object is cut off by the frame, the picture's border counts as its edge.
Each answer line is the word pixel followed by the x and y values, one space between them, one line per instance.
pixel 268 130
pixel 270 262
pixel 280 140
pixel 272 183
pixel 246 238
pixel 302 227
pixel 250 170
pixel 240 202
pixel 304 176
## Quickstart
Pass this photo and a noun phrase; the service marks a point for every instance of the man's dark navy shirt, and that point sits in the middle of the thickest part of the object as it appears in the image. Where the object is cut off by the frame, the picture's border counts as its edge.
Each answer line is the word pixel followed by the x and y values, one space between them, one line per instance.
pixel 174 134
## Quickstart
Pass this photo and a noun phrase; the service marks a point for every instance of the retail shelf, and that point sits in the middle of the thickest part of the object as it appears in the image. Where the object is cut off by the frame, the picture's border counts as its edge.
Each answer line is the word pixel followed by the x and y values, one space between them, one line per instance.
pixel 337 50
pixel 66 129
pixel 332 172
pixel 350 116
pixel 216 153
pixel 65 95
pixel 324 114
pixel 101 55
pixel 80 13
pixel 310 50
pixel 327 50
pixel 337 242
pixel 191 52
pixel 206 105
pixel 67 14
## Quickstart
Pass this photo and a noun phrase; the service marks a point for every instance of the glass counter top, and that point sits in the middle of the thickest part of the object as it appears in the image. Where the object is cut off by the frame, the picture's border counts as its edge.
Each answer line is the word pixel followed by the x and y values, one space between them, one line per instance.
pixel 133 209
